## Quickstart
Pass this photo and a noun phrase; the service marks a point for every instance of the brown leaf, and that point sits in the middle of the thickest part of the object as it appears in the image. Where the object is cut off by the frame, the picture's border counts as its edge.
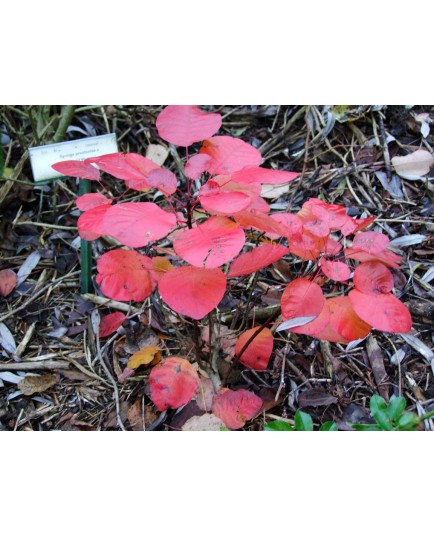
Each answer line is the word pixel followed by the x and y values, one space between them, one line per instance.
pixel 207 422
pixel 268 396
pixel 316 397
pixel 376 359
pixel 204 394
pixel 413 166
pixel 140 419
pixel 30 385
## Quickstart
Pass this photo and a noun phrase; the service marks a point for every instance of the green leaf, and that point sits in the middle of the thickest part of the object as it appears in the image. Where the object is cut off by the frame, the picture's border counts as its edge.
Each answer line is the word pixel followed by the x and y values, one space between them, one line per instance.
pixel 224 429
pixel 366 427
pixel 278 426
pixel 408 421
pixel 303 422
pixel 377 404
pixel 396 407
pixel 329 426
pixel 379 412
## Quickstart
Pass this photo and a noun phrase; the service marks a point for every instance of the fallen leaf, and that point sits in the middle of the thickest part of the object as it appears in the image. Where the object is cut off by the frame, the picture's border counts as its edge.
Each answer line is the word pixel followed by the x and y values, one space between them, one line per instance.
pixel 413 166
pixel 157 153
pixel 234 408
pixel 173 383
pixel 30 385
pixel 203 423
pixel 8 281
pixel 7 339
pixel 27 267
pixel 145 356
pixel 204 394
pixel 316 397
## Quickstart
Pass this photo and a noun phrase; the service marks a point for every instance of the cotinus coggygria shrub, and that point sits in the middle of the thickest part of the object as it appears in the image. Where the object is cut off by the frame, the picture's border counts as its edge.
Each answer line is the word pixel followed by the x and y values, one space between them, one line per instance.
pixel 207 211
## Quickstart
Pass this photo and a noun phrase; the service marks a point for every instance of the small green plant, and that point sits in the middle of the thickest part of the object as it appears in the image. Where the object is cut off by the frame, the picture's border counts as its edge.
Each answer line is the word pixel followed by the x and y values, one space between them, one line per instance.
pixel 302 423
pixel 391 417
pixel 388 418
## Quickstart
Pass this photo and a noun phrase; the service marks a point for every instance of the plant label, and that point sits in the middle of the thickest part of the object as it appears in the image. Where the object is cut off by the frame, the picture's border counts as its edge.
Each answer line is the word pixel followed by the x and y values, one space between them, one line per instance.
pixel 43 157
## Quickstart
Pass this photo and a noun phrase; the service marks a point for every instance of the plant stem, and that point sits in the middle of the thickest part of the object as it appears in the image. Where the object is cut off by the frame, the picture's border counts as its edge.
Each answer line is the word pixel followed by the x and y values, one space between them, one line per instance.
pixel 66 116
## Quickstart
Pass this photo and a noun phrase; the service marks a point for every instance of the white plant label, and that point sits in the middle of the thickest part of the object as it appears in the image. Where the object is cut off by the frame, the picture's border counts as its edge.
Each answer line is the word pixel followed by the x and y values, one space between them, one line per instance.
pixel 43 157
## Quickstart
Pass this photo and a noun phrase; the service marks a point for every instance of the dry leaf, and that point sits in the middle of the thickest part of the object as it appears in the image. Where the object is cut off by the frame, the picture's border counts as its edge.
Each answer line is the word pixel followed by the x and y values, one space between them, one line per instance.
pixel 145 356
pixel 7 340
pixel 273 191
pixel 413 166
pixel 157 153
pixel 204 394
pixel 30 385
pixel 207 422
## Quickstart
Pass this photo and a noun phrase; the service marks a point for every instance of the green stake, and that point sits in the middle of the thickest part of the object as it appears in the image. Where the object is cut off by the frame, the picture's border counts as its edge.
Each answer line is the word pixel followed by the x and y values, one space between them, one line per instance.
pixel 84 187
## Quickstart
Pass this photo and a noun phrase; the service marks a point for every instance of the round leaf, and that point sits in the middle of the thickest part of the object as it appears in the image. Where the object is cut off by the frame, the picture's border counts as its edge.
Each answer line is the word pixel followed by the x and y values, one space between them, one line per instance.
pixel 335 270
pixel 173 383
pixel 229 154
pixel 144 356
pixel 258 353
pixel 197 165
pixel 210 244
pixel 258 258
pixel 234 408
pixel 76 168
pixel 302 298
pixel 137 224
pixel 88 201
pixel 111 323
pixel 373 278
pixel 124 275
pixel 91 223
pixel 8 281
pixel 382 311
pixel 192 291
pixel 261 175
pixel 185 125
pixel 345 321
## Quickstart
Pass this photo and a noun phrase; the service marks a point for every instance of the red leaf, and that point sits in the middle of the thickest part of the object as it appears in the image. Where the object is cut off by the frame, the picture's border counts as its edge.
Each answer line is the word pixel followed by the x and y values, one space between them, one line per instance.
pixel 185 125
pixel 76 168
pixel 258 258
pixel 315 326
pixel 385 257
pixel 302 298
pixel 88 201
pixel 229 154
pixel 173 383
pixel 210 244
pixel 124 275
pixel 291 223
pixel 335 270
pixel 8 281
pixel 111 323
pixel 116 164
pixel 222 195
pixel 371 242
pixel 382 311
pixel 163 179
pixel 261 175
pixel 373 278
pixel 144 166
pixel 197 165
pixel 345 321
pixel 91 223
pixel 137 224
pixel 252 219
pixel 353 226
pixel 234 408
pixel 192 291
pixel 306 246
pixel 258 353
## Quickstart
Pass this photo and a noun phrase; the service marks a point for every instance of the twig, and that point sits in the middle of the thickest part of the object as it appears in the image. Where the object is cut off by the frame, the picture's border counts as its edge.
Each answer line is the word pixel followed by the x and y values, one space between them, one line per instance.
pixel 35 296
pixel 50 364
